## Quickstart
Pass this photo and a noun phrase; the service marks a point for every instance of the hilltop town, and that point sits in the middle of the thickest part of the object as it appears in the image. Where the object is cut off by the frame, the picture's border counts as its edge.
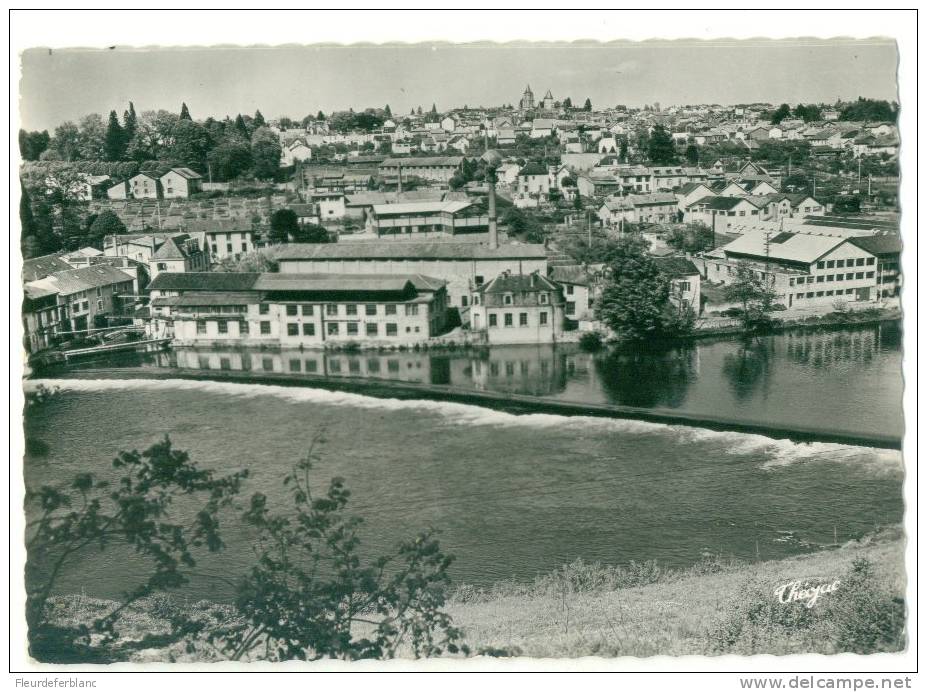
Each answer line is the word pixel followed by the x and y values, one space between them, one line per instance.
pixel 475 225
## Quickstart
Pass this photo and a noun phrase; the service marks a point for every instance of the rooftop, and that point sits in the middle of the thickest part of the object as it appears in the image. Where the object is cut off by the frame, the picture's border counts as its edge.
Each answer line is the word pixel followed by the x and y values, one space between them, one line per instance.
pixel 676 266
pixel 204 281
pixel 419 161
pixel 39 267
pixel 570 274
pixel 513 283
pixel 882 244
pixel 409 250
pixel 532 168
pixel 797 247
pixel 342 282
pixel 85 278
pixel 727 203
pixel 420 208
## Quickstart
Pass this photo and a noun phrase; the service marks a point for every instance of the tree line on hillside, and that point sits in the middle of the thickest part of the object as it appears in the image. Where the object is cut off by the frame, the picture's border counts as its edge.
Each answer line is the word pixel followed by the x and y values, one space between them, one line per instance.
pixel 54 221
pixel 861 110
pixel 227 149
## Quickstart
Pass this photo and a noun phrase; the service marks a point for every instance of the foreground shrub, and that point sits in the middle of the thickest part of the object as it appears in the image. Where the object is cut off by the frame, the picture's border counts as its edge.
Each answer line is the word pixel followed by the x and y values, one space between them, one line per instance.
pixel 591 342
pixel 310 595
pixel 867 618
pixel 861 617
pixel 90 512
pixel 580 577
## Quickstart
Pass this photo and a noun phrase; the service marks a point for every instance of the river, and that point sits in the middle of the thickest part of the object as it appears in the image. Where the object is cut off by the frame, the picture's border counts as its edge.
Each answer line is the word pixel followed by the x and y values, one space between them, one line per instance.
pixel 514 496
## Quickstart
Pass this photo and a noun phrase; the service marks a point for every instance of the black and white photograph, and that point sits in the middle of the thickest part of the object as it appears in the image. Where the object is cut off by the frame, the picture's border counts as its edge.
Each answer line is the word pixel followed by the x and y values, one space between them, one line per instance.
pixel 463 354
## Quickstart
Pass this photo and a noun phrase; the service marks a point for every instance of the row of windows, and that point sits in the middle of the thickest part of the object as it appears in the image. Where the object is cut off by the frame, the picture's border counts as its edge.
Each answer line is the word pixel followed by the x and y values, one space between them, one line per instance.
pixel 821 278
pixel 508 319
pixel 859 262
pixel 311 365
pixel 543 298
pixel 220 309
pixel 222 326
pixel 821 294
pixel 228 248
pixel 308 329
pixel 331 310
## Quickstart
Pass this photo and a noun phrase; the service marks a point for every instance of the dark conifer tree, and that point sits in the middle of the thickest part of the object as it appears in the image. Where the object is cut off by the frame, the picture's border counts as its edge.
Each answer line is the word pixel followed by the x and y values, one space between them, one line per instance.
pixel 114 144
pixel 129 122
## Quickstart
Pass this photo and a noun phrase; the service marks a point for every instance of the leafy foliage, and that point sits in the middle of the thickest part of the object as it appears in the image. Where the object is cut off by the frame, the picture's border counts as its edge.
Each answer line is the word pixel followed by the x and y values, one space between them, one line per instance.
pixel 754 296
pixel 310 595
pixel 311 233
pixel 660 147
pixel 691 238
pixel 229 159
pixel 94 513
pixel 780 114
pixel 861 617
pixel 254 261
pixel 591 342
pixel 283 224
pixel 524 225
pixel 33 144
pixel 870 109
pixel 265 153
pixel 115 142
pixel 636 302
pixel 692 154
pixel 106 223
pixel 190 144
pixel 809 114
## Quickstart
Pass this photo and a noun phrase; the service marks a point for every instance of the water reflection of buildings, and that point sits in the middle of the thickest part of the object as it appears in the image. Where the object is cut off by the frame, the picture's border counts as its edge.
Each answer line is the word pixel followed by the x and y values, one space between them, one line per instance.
pixel 535 370
pixel 823 349
pixel 648 376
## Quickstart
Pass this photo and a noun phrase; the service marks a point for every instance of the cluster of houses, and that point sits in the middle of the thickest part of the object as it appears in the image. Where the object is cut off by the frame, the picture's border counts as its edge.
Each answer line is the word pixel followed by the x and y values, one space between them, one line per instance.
pixel 165 183
pixel 428 261
pixel 172 183
pixel 599 131
pixel 72 294
pixel 381 293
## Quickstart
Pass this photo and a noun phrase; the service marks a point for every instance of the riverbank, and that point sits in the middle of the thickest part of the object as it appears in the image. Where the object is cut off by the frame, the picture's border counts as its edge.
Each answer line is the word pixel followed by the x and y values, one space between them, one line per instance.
pixel 715 607
pixel 850 318
pixel 712 608
pixel 518 404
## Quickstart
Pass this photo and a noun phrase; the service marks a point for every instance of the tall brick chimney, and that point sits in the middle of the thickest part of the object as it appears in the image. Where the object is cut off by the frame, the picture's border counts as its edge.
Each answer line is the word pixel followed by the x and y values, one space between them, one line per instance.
pixel 492 159
pixel 493 229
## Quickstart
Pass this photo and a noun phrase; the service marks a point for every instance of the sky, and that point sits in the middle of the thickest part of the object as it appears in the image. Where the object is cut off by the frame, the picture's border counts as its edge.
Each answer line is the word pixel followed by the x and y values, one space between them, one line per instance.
pixel 65 84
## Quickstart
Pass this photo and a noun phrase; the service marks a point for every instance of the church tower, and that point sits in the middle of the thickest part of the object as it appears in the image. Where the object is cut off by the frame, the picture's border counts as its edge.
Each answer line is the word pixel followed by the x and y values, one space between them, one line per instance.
pixel 548 102
pixel 527 99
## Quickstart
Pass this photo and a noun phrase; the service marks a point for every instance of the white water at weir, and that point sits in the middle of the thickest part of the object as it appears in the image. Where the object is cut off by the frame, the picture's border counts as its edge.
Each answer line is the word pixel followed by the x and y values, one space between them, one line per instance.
pixel 780 453
pixel 512 495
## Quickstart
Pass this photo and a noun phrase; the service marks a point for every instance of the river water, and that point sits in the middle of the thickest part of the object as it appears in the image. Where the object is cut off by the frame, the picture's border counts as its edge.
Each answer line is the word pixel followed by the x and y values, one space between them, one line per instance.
pixel 514 496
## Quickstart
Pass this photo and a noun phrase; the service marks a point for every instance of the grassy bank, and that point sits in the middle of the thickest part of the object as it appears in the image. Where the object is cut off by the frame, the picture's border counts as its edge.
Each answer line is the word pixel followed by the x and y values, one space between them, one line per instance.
pixel 714 607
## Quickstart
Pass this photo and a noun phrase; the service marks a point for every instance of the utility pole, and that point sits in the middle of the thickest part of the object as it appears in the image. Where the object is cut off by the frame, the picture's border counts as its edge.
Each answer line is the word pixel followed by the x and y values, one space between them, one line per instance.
pixel 814 186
